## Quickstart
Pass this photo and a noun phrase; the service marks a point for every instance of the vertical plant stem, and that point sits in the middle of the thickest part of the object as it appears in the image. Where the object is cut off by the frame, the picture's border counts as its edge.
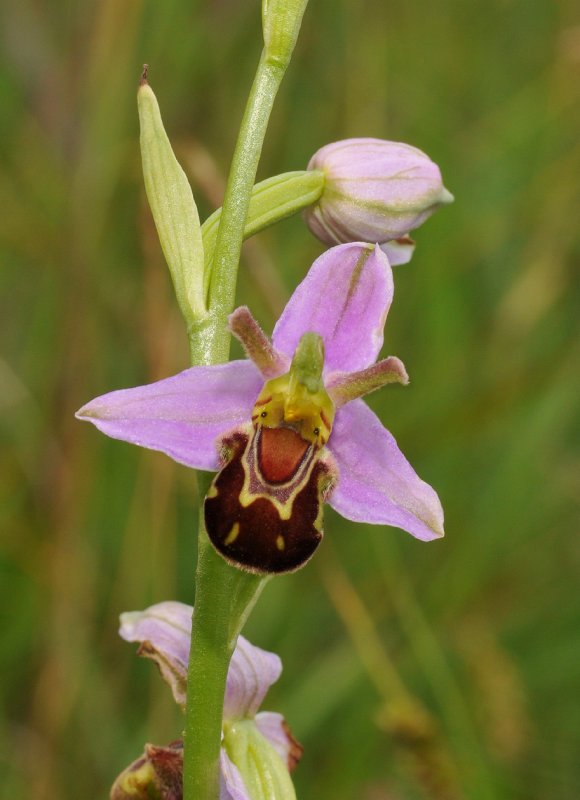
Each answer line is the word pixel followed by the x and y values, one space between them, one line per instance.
pixel 224 595
pixel 235 207
pixel 217 621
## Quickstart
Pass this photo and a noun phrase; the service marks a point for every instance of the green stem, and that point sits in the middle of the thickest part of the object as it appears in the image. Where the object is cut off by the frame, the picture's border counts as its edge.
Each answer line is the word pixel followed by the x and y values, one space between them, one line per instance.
pixel 271 201
pixel 239 188
pixel 224 598
pixel 224 594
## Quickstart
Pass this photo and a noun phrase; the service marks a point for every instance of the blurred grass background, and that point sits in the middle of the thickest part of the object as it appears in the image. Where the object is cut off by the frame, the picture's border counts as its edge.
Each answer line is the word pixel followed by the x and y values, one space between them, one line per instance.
pixel 411 670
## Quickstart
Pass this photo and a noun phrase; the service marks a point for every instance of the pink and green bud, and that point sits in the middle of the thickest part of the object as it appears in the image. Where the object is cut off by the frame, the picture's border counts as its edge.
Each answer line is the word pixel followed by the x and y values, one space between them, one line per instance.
pixel 375 191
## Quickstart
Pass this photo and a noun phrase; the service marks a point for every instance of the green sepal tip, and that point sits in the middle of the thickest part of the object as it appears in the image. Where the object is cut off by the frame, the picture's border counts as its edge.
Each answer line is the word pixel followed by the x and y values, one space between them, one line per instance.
pixel 265 775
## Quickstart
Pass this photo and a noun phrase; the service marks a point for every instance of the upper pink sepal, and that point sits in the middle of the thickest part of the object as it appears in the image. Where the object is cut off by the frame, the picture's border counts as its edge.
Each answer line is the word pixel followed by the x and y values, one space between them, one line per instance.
pixel 345 297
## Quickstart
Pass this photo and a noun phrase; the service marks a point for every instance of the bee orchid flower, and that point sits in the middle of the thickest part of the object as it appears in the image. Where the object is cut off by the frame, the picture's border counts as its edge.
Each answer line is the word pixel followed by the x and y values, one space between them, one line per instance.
pixel 287 427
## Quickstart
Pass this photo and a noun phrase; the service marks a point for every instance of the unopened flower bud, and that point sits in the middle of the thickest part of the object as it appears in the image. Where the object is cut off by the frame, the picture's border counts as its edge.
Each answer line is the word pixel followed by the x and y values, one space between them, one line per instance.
pixel 157 775
pixel 375 191
pixel 281 20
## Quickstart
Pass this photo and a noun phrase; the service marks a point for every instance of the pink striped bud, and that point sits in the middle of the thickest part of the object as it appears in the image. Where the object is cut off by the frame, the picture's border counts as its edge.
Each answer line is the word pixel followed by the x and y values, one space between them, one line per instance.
pixel 375 191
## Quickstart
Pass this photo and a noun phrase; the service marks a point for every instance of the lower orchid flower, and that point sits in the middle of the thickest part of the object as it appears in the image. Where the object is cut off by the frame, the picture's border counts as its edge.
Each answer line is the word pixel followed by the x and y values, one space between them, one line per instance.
pixel 258 751
pixel 286 427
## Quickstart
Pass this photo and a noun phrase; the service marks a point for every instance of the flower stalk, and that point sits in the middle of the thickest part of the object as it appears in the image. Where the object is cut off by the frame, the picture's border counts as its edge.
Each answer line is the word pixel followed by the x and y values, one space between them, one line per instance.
pixel 224 598
pixel 224 594
pixel 230 234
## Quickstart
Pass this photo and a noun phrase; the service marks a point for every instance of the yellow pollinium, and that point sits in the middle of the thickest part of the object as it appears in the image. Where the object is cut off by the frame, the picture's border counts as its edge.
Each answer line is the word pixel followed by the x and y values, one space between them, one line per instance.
pixel 299 399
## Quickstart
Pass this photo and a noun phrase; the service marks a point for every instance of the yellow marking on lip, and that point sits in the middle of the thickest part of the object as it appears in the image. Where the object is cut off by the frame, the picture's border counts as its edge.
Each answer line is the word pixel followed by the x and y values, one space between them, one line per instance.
pixel 233 534
pixel 279 542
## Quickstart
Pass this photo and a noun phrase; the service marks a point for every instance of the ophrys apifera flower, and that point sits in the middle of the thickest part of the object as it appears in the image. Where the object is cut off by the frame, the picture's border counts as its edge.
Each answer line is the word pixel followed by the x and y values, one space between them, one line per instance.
pixel 287 427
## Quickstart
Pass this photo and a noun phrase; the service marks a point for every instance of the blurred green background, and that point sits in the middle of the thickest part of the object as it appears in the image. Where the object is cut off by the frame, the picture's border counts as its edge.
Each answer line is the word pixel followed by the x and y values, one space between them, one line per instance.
pixel 482 629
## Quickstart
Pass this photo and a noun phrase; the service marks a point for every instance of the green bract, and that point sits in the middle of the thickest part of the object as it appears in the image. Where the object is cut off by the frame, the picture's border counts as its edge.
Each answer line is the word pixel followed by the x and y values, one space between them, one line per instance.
pixel 173 208
pixel 271 200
